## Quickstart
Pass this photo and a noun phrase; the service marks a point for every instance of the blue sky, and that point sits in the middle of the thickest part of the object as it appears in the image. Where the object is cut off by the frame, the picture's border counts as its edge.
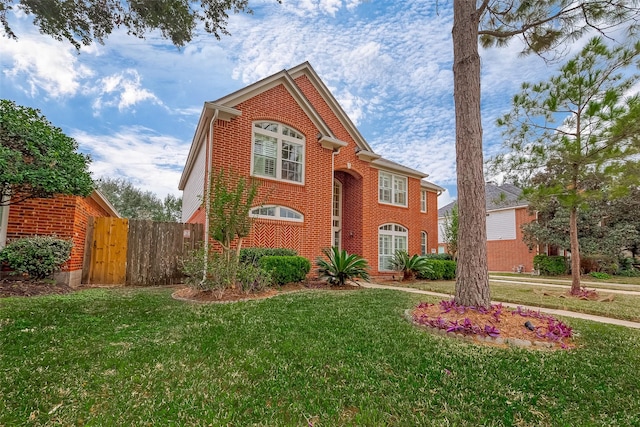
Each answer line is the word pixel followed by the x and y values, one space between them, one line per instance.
pixel 133 105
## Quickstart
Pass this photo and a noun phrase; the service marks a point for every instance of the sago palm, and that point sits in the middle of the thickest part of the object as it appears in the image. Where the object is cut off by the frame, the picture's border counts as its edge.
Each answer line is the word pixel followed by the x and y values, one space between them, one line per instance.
pixel 410 266
pixel 341 266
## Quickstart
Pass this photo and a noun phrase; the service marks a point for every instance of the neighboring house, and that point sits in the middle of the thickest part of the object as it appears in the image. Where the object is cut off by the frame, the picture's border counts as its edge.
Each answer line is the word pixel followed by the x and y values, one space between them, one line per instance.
pixel 65 217
pixel 325 185
pixel 506 213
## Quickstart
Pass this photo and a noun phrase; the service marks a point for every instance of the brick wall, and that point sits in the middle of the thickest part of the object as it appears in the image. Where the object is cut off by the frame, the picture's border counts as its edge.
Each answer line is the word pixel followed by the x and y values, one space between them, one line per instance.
pixel 505 255
pixel 362 214
pixel 65 217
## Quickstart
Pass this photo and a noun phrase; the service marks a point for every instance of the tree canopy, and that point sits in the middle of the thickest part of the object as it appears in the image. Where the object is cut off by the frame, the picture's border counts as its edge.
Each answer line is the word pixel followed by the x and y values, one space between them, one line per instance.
pixel 131 202
pixel 81 22
pixel 544 26
pixel 37 159
pixel 565 139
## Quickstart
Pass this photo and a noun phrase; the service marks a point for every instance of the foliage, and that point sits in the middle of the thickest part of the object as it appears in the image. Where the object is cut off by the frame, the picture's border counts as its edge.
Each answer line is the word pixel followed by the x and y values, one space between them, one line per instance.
pixel 410 266
pixel 449 230
pixel 253 255
pixel 250 279
pixel 340 266
pixel 38 256
pixel 83 21
pixel 439 269
pixel 220 274
pixel 444 257
pixel 598 263
pixel 133 203
pixel 564 132
pixel 599 275
pixel 626 268
pixel 285 269
pixel 231 200
pixel 38 159
pixel 550 265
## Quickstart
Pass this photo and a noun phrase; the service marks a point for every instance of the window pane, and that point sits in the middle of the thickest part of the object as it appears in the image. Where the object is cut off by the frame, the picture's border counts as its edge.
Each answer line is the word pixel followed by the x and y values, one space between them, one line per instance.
pixel 289 213
pixel 384 185
pixel 400 191
pixel 292 162
pixel 400 243
pixel 265 151
pixel 273 127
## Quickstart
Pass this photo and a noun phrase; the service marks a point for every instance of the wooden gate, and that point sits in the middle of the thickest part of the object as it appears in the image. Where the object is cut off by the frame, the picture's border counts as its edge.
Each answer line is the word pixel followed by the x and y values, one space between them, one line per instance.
pixel 137 252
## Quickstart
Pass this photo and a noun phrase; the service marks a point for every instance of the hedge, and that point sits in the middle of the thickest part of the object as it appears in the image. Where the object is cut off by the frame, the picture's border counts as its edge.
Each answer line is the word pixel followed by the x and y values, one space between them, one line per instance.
pixel 285 269
pixel 550 265
pixel 253 255
pixel 441 270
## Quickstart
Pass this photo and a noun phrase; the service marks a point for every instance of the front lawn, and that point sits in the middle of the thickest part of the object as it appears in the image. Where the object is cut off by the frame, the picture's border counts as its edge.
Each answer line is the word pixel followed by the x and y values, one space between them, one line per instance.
pixel 314 358
pixel 626 307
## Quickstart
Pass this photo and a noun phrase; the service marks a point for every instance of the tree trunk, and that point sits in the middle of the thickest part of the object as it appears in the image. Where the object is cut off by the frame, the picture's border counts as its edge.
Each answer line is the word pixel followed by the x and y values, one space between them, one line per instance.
pixel 575 251
pixel 472 282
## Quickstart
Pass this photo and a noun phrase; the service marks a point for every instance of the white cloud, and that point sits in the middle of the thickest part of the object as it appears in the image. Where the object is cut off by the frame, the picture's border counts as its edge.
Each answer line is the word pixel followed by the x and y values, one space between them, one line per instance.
pixel 43 67
pixel 152 162
pixel 123 90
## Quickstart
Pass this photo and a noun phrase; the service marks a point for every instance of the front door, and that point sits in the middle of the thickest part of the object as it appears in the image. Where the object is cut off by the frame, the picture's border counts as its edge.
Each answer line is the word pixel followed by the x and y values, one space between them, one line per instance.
pixel 337 214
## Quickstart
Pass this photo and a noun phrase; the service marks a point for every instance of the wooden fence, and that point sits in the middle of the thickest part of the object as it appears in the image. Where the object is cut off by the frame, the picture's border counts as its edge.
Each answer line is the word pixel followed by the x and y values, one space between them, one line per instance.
pixel 137 252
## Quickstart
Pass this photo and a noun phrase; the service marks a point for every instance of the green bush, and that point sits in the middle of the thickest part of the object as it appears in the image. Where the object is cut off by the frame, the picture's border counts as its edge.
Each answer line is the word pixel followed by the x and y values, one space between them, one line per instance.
pixel 440 270
pixel 285 269
pixel 550 265
pixel 598 263
pixel 38 256
pixel 626 268
pixel 409 265
pixel 599 275
pixel 340 266
pixel 221 272
pixel 253 255
pixel 252 279
pixel 442 257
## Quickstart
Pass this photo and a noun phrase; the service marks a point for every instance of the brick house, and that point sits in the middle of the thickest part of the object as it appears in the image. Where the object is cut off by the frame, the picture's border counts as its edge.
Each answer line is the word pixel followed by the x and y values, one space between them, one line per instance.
pixel 65 217
pixel 325 185
pixel 506 213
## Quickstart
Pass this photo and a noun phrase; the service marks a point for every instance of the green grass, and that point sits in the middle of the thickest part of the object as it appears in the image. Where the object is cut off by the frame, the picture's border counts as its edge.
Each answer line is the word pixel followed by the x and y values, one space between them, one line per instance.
pixel 611 282
pixel 137 357
pixel 626 307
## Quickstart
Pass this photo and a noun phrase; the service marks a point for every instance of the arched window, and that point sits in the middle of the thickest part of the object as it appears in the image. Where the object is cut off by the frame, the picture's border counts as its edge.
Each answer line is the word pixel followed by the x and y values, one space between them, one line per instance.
pixel 423 242
pixel 277 212
pixel 278 152
pixel 391 238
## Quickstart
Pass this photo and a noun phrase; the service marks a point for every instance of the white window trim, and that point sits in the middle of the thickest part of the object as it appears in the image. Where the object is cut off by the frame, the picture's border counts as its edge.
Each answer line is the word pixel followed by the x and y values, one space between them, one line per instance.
pixel 277 212
pixel 423 200
pixel 393 178
pixel 280 139
pixel 424 243
pixel 393 233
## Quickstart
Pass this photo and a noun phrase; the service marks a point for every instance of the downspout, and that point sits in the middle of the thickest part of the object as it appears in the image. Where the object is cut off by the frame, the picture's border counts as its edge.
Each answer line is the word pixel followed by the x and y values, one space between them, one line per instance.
pixel 207 196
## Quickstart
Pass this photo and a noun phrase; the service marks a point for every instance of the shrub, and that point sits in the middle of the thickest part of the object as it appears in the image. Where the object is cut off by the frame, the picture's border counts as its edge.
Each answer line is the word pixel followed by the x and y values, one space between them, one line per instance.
pixel 550 265
pixel 440 270
pixel 253 255
pixel 410 266
pixel 252 279
pixel 38 256
pixel 599 275
pixel 442 257
pixel 598 263
pixel 285 269
pixel 221 272
pixel 626 268
pixel 341 266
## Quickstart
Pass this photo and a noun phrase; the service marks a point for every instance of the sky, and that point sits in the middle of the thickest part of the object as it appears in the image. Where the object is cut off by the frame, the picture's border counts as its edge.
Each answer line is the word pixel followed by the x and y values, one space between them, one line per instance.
pixel 133 104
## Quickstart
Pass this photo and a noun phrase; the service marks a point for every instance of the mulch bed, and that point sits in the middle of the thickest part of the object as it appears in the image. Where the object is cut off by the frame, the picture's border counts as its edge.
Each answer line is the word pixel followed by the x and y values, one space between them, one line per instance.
pixel 19 287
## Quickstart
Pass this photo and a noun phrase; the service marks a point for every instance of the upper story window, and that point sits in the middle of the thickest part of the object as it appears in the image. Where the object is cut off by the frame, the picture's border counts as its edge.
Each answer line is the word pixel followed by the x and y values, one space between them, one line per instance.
pixel 278 152
pixel 276 212
pixel 423 242
pixel 423 201
pixel 392 189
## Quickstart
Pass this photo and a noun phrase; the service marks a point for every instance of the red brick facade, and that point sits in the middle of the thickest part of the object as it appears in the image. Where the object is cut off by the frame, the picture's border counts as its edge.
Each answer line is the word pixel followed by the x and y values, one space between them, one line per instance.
pixel 298 99
pixel 65 217
pixel 508 255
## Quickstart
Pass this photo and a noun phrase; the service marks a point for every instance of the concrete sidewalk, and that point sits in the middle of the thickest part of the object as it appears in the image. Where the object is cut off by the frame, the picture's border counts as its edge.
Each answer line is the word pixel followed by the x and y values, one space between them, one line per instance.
pixel 553 311
pixel 550 285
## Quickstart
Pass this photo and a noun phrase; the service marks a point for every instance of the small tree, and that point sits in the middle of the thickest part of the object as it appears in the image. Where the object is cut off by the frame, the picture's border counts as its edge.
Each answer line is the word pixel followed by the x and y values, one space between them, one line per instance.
pixel 449 230
pixel 578 125
pixel 410 266
pixel 341 266
pixel 232 197
pixel 38 159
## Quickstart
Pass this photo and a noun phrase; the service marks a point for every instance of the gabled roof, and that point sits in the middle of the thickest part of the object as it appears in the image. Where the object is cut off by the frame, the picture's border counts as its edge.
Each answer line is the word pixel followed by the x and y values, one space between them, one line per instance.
pixel 102 201
pixel 225 108
pixel 497 197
